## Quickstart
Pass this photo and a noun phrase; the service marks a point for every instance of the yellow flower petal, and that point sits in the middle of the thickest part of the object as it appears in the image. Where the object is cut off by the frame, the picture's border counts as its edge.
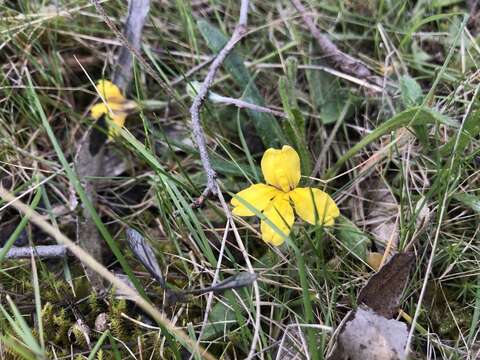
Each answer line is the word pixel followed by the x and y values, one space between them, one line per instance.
pixel 280 213
pixel 258 196
pixel 119 120
pixel 109 91
pixel 281 168
pixel 326 211
pixel 98 110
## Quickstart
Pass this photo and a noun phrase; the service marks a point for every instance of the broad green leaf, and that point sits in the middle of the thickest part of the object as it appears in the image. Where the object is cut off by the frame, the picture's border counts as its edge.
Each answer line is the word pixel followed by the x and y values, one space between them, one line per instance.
pixel 412 93
pixel 469 200
pixel 295 124
pixel 326 94
pixel 354 239
pixel 221 317
pixel 266 125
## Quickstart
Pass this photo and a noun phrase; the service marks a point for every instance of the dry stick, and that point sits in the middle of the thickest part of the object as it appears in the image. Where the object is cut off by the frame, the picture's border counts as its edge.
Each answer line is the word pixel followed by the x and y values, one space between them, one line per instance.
pixel 137 14
pixel 337 57
pixel 42 251
pixel 245 105
pixel 93 264
pixel 198 133
pixel 90 164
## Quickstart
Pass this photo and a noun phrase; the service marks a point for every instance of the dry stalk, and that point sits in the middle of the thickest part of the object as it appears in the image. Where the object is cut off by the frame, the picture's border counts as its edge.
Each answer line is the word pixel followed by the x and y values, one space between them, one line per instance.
pixel 199 136
pixel 41 251
pixel 198 101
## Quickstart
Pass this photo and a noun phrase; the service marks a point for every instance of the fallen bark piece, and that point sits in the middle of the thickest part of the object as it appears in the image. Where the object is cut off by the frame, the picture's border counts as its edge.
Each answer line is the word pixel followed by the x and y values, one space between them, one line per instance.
pixel 369 336
pixel 42 251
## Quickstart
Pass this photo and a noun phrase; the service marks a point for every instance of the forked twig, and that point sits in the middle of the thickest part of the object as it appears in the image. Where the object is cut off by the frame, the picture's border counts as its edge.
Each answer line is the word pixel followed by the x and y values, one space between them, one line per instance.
pixel 199 136
pixel 198 133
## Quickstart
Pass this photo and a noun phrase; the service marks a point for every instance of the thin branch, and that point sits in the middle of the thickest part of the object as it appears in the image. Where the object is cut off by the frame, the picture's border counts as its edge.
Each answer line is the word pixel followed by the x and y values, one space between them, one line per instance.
pixel 199 136
pixel 198 133
pixel 338 58
pixel 41 251
pixel 137 14
pixel 89 159
pixel 245 105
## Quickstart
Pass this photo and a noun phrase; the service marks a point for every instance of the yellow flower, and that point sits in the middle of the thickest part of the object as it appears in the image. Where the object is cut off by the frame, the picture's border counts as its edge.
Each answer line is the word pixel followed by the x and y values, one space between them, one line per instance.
pixel 280 195
pixel 114 105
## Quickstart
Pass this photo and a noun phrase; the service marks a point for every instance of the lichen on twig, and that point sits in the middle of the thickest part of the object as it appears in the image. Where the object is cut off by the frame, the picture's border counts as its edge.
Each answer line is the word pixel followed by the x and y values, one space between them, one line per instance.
pixel 198 101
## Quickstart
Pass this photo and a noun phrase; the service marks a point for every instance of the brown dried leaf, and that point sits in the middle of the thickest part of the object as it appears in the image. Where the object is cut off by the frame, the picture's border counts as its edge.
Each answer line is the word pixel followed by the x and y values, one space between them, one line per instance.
pixel 383 291
pixel 381 213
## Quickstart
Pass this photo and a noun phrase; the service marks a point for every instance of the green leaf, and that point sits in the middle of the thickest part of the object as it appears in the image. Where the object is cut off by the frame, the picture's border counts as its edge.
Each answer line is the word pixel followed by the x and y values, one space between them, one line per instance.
pixel 469 200
pixel 326 94
pixel 412 93
pixel 266 125
pixel 221 317
pixel 295 124
pixel 471 129
pixel 354 239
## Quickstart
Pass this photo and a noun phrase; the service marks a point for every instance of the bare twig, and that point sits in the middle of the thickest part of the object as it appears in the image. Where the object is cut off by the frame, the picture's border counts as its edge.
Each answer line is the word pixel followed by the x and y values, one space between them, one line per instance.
pixel 42 251
pixel 89 164
pixel 198 133
pixel 338 58
pixel 245 105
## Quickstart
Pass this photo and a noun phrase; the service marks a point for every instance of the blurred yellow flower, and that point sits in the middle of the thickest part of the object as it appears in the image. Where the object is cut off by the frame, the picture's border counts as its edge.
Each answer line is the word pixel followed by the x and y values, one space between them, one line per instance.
pixel 114 105
pixel 280 195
